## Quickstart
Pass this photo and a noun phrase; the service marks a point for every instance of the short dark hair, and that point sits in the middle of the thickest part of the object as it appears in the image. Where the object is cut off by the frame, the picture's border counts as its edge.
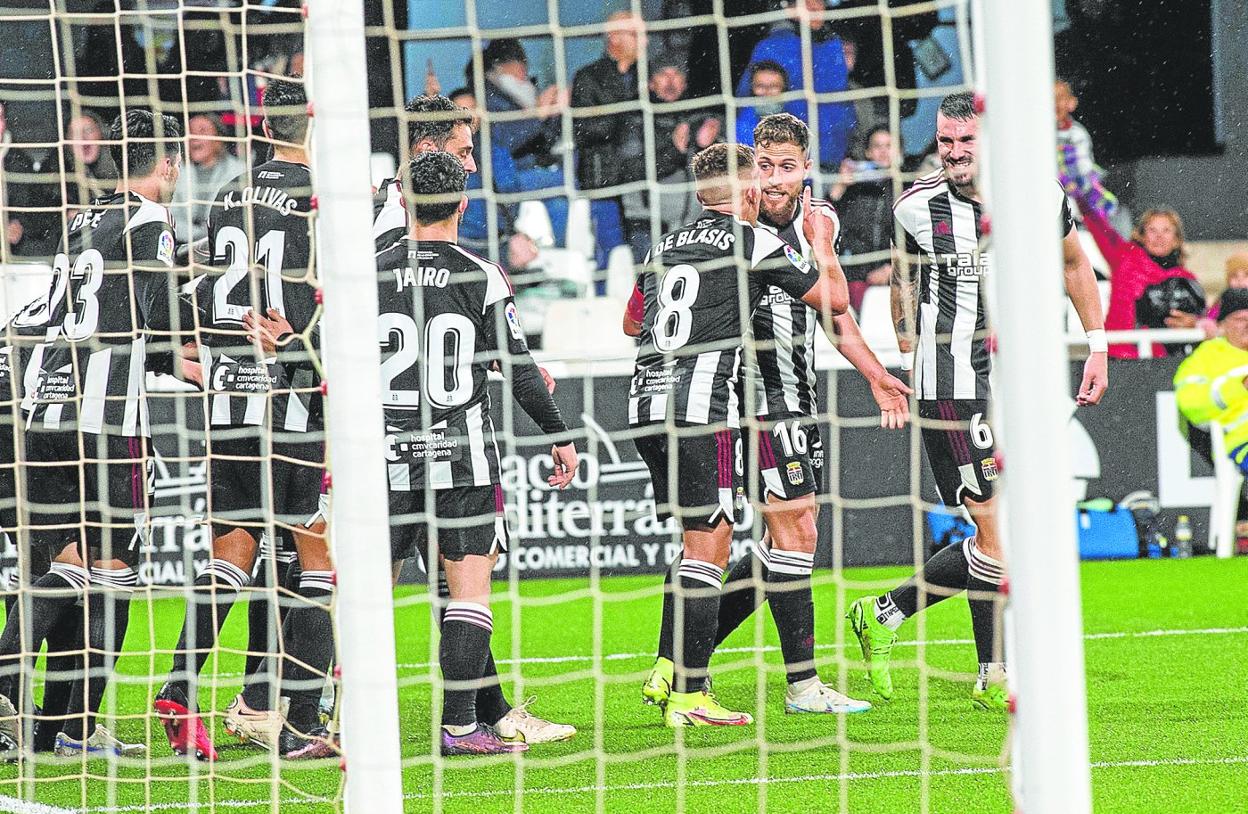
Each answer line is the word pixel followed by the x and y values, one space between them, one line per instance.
pixel 713 167
pixel 504 49
pixel 286 110
pixel 782 128
pixel 769 65
pixel 434 118
pixel 438 182
pixel 959 106
pixel 140 138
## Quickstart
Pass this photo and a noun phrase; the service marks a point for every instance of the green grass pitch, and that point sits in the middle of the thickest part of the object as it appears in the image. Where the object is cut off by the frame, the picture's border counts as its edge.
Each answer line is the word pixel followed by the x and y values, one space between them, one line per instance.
pixel 1167 657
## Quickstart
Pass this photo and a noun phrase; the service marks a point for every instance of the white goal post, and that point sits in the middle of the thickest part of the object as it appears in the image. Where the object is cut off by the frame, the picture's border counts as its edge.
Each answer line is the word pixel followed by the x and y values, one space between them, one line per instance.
pixel 1051 754
pixel 359 522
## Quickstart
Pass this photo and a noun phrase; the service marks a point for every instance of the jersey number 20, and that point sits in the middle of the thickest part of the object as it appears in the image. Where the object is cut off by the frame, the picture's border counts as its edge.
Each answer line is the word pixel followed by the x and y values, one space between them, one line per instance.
pixel 446 377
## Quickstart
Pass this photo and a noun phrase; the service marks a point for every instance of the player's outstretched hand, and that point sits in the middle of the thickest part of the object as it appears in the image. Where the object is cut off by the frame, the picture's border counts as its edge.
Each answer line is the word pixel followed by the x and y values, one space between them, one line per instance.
pixel 267 330
pixel 893 397
pixel 566 461
pixel 551 384
pixel 1095 379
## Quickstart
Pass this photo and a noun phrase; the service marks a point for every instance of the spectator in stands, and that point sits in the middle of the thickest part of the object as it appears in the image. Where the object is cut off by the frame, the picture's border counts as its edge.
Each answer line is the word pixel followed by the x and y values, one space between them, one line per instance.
pixel 783 45
pixel 89 170
pixel 607 144
pixel 209 166
pixel 767 78
pixel 1076 168
pixel 678 134
pixel 1210 385
pixel 30 198
pixel 864 200
pixel 1154 254
pixel 1236 277
pixel 522 149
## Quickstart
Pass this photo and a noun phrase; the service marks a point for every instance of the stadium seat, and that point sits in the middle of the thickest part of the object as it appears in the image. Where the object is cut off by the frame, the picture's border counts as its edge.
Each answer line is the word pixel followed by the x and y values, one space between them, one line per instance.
pixel 1228 481
pixel 586 328
pixel 876 321
pixel 621 273
pixel 534 221
pixel 580 235
pixel 381 166
pixel 22 283
pixel 566 264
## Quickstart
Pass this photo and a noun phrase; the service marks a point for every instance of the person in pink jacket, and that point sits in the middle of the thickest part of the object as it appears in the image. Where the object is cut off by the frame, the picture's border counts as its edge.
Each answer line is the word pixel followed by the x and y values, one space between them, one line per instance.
pixel 1154 253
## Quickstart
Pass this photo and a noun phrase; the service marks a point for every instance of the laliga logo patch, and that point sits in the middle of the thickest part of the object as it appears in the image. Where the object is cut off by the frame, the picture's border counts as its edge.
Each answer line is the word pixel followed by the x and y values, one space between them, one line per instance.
pixel 513 322
pixel 796 476
pixel 989 467
pixel 164 252
pixel 796 259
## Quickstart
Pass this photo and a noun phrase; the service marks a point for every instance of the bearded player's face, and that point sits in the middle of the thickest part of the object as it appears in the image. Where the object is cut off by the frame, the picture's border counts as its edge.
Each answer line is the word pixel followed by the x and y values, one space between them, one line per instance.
pixel 957 142
pixel 782 168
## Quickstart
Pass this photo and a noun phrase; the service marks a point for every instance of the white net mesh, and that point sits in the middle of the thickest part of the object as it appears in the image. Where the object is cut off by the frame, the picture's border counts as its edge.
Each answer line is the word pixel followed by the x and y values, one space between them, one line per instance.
pixel 573 185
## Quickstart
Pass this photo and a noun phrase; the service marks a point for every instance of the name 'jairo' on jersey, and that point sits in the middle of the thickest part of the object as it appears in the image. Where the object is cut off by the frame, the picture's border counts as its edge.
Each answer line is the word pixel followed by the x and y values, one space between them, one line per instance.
pixel 111 305
pixel 445 317
pixel 259 233
pixel 691 337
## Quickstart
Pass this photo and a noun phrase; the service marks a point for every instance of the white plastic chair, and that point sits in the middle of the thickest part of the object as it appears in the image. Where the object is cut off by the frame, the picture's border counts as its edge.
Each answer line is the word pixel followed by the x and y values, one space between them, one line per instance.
pixel 533 220
pixel 586 328
pixel 621 273
pixel 1228 481
pixel 580 236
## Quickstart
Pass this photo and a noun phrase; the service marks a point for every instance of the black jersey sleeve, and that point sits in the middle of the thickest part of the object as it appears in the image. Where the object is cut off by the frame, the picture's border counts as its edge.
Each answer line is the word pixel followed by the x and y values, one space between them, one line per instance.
pixel 527 386
pixel 784 268
pixel 1067 218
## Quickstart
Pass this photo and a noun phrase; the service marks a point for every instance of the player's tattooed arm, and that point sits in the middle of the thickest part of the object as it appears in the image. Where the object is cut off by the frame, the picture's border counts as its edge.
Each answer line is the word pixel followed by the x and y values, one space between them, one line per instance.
pixel 903 291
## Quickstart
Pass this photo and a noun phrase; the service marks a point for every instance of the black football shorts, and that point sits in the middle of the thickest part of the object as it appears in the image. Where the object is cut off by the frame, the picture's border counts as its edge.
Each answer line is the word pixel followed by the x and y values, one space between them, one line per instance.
pixel 696 474
pixel 452 522
pixel 786 460
pixel 960 447
pixel 255 483
pixel 95 493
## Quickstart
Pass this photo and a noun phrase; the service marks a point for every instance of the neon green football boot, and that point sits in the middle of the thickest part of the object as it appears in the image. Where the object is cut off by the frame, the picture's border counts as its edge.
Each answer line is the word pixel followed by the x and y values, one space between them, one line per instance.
pixel 701 709
pixel 991 693
pixel 658 686
pixel 877 645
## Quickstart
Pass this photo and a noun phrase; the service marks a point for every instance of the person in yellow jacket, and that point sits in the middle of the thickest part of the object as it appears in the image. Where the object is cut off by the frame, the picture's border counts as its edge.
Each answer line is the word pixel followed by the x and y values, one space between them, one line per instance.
pixel 1210 386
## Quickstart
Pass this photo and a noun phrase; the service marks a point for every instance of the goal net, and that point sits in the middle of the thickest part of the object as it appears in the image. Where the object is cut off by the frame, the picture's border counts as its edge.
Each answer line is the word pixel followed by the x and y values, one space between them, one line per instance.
pixel 574 182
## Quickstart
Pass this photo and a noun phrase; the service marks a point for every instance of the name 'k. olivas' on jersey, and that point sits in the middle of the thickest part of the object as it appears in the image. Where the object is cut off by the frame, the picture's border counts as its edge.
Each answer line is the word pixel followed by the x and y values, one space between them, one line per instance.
pixel 445 318
pixel 943 232
pixel 259 234
pixel 112 314
pixel 689 358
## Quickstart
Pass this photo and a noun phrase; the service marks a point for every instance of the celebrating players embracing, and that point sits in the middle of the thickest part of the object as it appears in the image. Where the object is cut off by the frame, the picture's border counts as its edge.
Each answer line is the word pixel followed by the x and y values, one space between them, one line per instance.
pixel 446 318
pixel 942 218
pixel 684 395
pixel 264 420
pixel 788 448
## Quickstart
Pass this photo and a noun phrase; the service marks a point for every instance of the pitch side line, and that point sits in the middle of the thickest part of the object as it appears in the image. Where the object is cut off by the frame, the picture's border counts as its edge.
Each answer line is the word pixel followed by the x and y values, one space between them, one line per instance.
pixel 16 806
pixel 1144 634
pixel 36 808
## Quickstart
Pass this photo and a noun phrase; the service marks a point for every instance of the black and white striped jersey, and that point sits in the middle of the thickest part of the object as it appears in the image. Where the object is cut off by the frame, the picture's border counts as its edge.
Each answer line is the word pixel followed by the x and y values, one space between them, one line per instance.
pixel 944 249
pixel 389 214
pixel 260 236
pixel 689 360
pixel 19 342
pixel 784 332
pixel 111 305
pixel 446 316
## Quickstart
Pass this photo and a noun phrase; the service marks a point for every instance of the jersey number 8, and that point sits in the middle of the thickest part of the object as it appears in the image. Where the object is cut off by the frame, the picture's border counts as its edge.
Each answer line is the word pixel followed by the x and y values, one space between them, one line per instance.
pixel 678 291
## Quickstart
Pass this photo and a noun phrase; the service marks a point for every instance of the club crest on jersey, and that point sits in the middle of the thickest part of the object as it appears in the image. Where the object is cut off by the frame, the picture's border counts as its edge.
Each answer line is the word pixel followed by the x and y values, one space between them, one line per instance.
pixel 796 476
pixel 796 259
pixel 164 252
pixel 513 322
pixel 989 467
